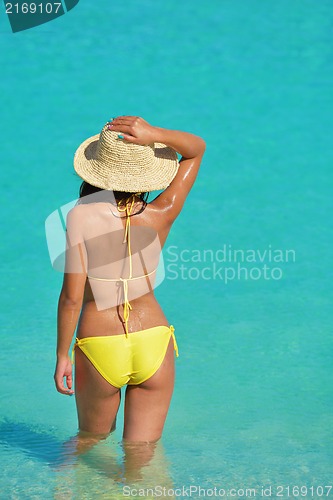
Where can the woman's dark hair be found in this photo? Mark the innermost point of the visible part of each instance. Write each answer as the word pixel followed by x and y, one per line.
pixel 87 189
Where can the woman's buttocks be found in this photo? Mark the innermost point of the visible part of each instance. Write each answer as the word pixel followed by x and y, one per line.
pixel 145 313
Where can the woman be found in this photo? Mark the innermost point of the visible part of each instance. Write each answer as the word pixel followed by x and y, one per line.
pixel 115 238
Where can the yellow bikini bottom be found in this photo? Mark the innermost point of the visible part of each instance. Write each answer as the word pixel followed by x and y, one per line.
pixel 130 359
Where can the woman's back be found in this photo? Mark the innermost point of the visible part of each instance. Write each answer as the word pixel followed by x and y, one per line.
pixel 121 255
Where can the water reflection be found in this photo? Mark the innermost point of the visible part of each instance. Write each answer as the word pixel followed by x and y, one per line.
pixel 102 465
pixel 85 465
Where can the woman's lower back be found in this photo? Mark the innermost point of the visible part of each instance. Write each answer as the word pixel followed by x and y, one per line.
pixel 145 313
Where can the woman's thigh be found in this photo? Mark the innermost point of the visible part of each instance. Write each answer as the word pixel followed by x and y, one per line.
pixel 147 404
pixel 97 401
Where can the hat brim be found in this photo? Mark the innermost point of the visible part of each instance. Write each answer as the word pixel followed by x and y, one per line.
pixel 157 175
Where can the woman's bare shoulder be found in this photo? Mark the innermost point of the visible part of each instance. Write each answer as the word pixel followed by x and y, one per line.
pixel 157 211
pixel 81 210
pixel 82 216
pixel 77 213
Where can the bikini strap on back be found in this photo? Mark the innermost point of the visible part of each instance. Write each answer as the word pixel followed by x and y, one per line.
pixel 129 203
pixel 175 346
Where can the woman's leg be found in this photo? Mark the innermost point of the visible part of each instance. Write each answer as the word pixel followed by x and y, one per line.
pixel 97 401
pixel 147 404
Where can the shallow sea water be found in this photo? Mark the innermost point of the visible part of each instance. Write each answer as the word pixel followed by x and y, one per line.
pixel 253 404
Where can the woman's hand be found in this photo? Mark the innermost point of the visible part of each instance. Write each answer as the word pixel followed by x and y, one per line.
pixel 64 370
pixel 133 129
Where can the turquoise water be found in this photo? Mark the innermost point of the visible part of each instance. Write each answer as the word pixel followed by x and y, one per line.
pixel 253 401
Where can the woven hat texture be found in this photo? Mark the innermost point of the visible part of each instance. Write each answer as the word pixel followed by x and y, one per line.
pixel 112 163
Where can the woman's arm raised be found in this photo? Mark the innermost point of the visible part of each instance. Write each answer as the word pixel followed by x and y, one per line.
pixel 189 146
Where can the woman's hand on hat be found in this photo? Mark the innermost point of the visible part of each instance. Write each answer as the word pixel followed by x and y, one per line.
pixel 133 129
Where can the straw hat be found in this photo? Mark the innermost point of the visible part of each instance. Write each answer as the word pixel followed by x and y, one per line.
pixel 109 162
